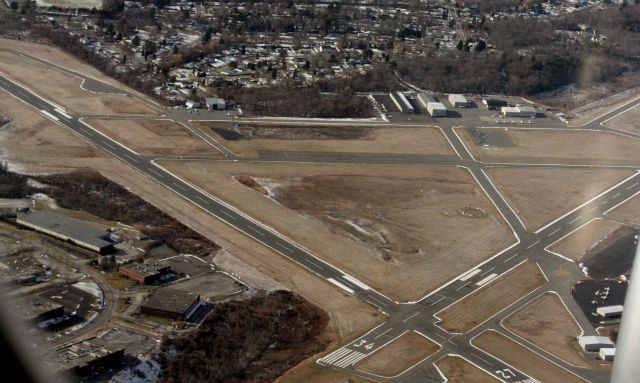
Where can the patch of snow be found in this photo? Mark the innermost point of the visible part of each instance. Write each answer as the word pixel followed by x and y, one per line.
pixel 89 287
pixel 147 371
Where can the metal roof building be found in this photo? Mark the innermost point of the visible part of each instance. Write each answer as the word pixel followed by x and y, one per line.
pixel 66 229
pixel 595 343
pixel 610 311
pixel 425 98
pixel 607 353
pixel 458 101
pixel 437 109
pixel 402 102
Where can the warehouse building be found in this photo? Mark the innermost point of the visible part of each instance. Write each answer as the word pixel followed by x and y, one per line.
pixel 425 98
pixel 607 354
pixel 494 103
pixel 146 273
pixel 215 103
pixel 86 358
pixel 36 309
pixel 519 111
pixel 458 101
pixel 67 229
pixel 171 303
pixel 437 109
pixel 594 343
pixel 402 103
pixel 610 311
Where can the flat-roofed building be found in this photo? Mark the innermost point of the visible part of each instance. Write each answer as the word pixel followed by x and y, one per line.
pixel 146 273
pixel 36 309
pixel 402 102
pixel 594 343
pixel 215 103
pixel 458 101
pixel 519 111
pixel 171 303
pixel 86 358
pixel 425 98
pixel 67 229
pixel 494 103
pixel 437 109
pixel 610 311
pixel 607 354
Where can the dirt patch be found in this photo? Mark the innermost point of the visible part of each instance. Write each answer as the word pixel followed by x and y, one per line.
pixel 458 370
pixel 154 137
pixel 64 89
pixel 253 184
pixel 351 215
pixel 584 293
pixel 546 323
pixel 253 340
pixel 597 108
pixel 399 355
pixel 539 195
pixel 628 212
pixel 487 301
pixel 329 138
pixel 521 358
pixel 579 242
pixel 551 146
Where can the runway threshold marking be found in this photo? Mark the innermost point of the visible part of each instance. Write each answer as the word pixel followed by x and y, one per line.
pixel 356 282
pixel 469 275
pixel 51 116
pixel 340 285
pixel 335 355
pixel 486 279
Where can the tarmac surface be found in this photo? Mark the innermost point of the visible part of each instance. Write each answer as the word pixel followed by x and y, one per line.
pixel 403 316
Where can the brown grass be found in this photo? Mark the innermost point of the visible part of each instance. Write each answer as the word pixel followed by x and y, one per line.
pixel 576 245
pixel 250 182
pixel 539 195
pixel 64 89
pixel 155 137
pixel 628 121
pixel 627 212
pixel 557 146
pixel 423 140
pixel 407 213
pixel 458 370
pixel 521 358
pixel 399 355
pixel 546 323
pixel 487 301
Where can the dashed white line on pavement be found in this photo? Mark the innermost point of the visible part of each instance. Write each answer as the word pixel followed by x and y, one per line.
pixel 255 230
pixel 533 244
pixel 179 186
pixel 381 303
pixel 605 201
pixel 575 219
pixel 459 288
pixel 202 199
pixel 440 336
pixel 486 279
pixel 313 263
pixel 484 273
pixel 409 317
pixel 511 257
pixel 340 285
pixel 284 246
pixel 228 215
pixel 436 302
pixel 108 144
pixel 482 359
pixel 381 334
pixel 555 231
pixel 131 158
pixel 616 196
pixel 631 186
pixel 157 173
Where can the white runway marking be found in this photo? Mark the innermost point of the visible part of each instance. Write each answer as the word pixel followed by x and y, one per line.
pixel 228 215
pixel 616 196
pixel 157 173
pixel 631 186
pixel 179 186
pixel 411 317
pixel 284 246
pixel 356 282
pixel 381 303
pixel 533 244
pixel 379 335
pixel 469 275
pixel 482 359
pixel 131 158
pixel 340 285
pixel 313 263
pixel 555 231
pixel 108 144
pixel 350 359
pixel 511 257
pixel 51 116
pixel 335 355
pixel 575 219
pixel 255 231
pixel 62 113
pixel 486 279
pixel 202 199
pixel 484 273
pixel 436 302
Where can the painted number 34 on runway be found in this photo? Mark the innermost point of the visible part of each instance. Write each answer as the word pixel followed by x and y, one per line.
pixel 363 343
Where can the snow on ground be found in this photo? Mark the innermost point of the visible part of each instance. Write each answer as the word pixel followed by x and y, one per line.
pixel 89 287
pixel 147 371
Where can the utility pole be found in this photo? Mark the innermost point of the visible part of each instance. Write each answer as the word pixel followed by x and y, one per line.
pixel 626 365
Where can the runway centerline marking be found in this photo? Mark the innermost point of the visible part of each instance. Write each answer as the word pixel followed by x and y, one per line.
pixel 313 263
pixel 406 319
pixel 631 186
pixel 227 214
pixel 555 231
pixel 381 303
pixel 179 186
pixel 157 173
pixel 255 230
pixel 575 219
pixel 202 199
pixel 511 257
pixel 533 244
pixel 482 359
pixel 285 246
pixel 436 302
pixel 379 335
pixel 133 159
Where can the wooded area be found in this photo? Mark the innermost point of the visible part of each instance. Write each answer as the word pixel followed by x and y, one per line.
pixel 13 185
pixel 253 340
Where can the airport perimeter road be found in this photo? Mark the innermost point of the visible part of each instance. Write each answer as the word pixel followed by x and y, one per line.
pixel 217 208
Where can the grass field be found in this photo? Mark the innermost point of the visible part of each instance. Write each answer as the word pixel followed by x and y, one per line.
pixel 395 227
pixel 546 323
pixel 487 301
pixel 422 140
pixel 576 244
pixel 155 137
pixel 539 195
pixel 458 370
pixel 556 146
pixel 628 211
pixel 521 358
pixel 399 355
pixel 64 89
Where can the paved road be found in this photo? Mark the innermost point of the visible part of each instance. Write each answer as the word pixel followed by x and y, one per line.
pixel 402 317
